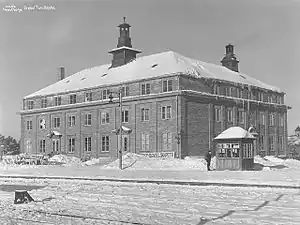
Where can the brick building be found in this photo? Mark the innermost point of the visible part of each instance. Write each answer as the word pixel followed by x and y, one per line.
pixel 171 103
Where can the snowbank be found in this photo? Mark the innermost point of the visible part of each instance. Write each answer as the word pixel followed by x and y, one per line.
pixel 139 162
pixel 97 161
pixel 66 160
pixel 277 163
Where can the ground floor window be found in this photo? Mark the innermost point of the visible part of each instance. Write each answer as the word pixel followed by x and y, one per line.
pixel 88 144
pixel 28 145
pixel 42 146
pixel 271 143
pixel 125 143
pixel 71 145
pixel 229 150
pixel 105 143
pixel 248 151
pixel 167 141
pixel 145 142
pixel 55 145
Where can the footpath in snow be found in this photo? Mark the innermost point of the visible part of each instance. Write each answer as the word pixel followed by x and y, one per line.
pixel 268 170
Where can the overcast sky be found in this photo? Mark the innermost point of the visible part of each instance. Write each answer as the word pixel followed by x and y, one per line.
pixel 78 35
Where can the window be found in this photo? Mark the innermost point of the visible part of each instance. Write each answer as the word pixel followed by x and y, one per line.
pixel 241 116
pixel 55 145
pixel 43 102
pixel 281 120
pixel 56 122
pixel 145 89
pixel 270 98
pixel 125 115
pixel 167 85
pixel 280 143
pixel 271 119
pixel 260 96
pixel 88 144
pixel 167 141
pixel 57 100
pixel 30 104
pixel 42 124
pixel 125 91
pixel 43 146
pixel 217 90
pixel 229 115
pixel 71 121
pixel 71 145
pixel 166 112
pixel 262 118
pixel 145 142
pixel 261 142
pixel 218 114
pixel 271 143
pixel 29 124
pixel 88 119
pixel 28 145
pixel 125 143
pixel 105 94
pixel 72 99
pixel 104 117
pixel 227 91
pixel 144 114
pixel 105 143
pixel 231 91
pixel 88 97
pixel 247 151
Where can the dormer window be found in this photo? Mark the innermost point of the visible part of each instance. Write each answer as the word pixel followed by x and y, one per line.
pixel 88 97
pixel 44 103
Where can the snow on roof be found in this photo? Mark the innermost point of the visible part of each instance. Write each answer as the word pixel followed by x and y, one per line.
pixel 165 63
pixel 234 133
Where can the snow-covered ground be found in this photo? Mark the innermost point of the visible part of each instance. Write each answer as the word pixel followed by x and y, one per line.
pixel 82 202
pixel 268 170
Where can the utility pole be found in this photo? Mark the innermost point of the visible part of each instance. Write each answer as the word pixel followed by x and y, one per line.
pixel 120 129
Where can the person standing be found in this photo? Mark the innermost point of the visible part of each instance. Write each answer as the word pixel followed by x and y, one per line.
pixel 208 159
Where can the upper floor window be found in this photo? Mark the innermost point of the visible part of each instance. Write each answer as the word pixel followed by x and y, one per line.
pixel 88 119
pixel 43 102
pixel 56 122
pixel 72 99
pixel 146 89
pixel 104 117
pixel 262 118
pixel 270 98
pixel 144 114
pixel 71 121
pixel 241 116
pixel 105 94
pixel 88 97
pixel 272 119
pixel 166 112
pixel 218 114
pixel 229 115
pixel 125 91
pixel 281 120
pixel 29 124
pixel 167 85
pixel 57 100
pixel 30 104
pixel 42 124
pixel 125 116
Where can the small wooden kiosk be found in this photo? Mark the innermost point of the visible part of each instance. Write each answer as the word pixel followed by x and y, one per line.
pixel 234 149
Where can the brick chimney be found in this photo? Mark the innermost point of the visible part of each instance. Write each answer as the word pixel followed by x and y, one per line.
pixel 61 73
pixel 230 60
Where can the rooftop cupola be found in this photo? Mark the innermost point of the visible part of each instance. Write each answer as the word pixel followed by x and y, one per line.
pixel 124 53
pixel 230 60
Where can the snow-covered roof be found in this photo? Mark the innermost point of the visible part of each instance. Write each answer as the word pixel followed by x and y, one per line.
pixel 234 133
pixel 165 63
